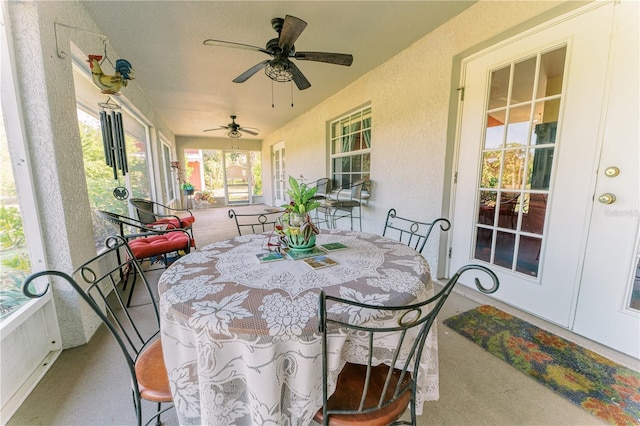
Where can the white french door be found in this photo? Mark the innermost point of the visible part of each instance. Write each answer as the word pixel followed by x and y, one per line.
pixel 279 173
pixel 538 112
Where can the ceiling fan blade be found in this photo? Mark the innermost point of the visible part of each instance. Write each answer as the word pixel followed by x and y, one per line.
pixel 298 78
pixel 331 58
pixel 250 131
pixel 222 43
pixel 291 30
pixel 217 128
pixel 251 71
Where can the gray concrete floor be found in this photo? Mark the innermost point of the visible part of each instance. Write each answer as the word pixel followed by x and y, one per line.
pixel 88 385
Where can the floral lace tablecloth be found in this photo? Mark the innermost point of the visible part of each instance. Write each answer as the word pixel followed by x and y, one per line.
pixel 240 337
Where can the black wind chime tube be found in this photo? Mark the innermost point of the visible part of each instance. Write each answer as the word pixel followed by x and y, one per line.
pixel 113 142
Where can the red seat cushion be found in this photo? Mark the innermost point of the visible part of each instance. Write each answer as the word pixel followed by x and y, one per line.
pixel 185 222
pixel 156 245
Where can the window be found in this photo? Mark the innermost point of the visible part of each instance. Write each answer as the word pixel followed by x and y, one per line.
pixel 105 191
pixel 350 140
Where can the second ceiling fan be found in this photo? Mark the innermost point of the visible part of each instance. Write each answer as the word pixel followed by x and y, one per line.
pixel 280 68
pixel 234 130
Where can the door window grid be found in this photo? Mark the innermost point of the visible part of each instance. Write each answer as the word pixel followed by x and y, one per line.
pixel 517 158
pixel 350 141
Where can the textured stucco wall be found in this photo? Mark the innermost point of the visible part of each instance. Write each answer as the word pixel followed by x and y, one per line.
pixel 46 91
pixel 411 98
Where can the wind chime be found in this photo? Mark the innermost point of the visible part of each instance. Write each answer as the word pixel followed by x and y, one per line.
pixel 115 153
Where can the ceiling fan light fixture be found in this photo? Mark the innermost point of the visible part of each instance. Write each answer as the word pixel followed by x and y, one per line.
pixel 234 134
pixel 278 72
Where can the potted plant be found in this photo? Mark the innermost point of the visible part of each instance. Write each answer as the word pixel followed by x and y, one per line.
pixel 296 227
pixel 188 188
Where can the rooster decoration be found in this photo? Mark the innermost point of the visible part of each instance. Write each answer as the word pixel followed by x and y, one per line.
pixel 110 84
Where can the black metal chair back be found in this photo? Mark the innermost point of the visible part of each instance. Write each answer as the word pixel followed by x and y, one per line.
pixel 96 282
pixel 324 187
pixel 411 232
pixel 144 210
pixel 374 393
pixel 255 223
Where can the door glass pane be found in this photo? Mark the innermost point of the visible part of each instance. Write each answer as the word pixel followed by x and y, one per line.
pixel 486 212
pixel 551 73
pixel 484 238
pixel 513 168
pixel 499 88
pixel 494 133
pixel 505 244
pixel 533 213
pixel 523 77
pixel 517 161
pixel 635 293
pixel 518 128
pixel 529 255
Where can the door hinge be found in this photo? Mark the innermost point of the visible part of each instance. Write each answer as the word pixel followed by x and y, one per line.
pixel 455 177
pixel 461 90
pixel 450 250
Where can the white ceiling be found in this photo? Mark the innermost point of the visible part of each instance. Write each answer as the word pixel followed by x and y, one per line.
pixel 190 84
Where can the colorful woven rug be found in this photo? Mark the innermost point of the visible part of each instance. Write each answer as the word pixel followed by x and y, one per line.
pixel 599 385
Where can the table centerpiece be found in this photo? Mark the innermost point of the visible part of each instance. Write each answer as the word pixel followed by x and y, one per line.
pixel 296 229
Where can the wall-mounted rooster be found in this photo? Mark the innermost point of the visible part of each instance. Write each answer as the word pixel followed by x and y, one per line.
pixel 110 84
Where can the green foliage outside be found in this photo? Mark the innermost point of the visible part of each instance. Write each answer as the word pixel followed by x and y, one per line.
pixel 99 176
pixel 14 256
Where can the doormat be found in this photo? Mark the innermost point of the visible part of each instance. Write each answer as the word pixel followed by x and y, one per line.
pixel 602 387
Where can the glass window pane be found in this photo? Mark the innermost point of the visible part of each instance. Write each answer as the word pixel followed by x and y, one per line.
pixel 346 164
pixel 487 208
pixel 494 133
pixel 529 255
pixel 505 244
pixel 523 77
pixel 508 210
pixel 551 73
pixel 337 165
pixel 366 163
pixel 499 87
pixel 518 128
pixel 356 162
pixel 540 165
pixel 513 169
pixel 15 265
pixel 490 169
pixel 545 122
pixel 484 238
pixel 533 213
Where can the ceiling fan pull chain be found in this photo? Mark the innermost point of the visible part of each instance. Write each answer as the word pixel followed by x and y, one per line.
pixel 272 105
pixel 291 94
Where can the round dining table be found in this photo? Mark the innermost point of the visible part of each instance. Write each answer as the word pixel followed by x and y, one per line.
pixel 240 335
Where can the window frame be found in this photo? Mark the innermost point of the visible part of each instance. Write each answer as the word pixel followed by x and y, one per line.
pixel 359 123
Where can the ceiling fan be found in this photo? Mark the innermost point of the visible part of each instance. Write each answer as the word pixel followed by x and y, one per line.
pixel 235 130
pixel 280 68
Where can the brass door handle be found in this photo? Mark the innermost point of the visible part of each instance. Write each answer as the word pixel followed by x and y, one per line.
pixel 607 198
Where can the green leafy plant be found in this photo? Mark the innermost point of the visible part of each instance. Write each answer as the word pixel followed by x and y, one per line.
pixel 301 196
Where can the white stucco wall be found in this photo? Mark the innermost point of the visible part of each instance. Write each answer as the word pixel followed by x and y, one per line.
pixel 46 90
pixel 411 98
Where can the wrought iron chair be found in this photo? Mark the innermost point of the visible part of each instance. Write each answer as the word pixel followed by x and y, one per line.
pixel 375 394
pixel 254 223
pixel 96 282
pixel 412 232
pixel 149 243
pixel 323 186
pixel 342 204
pixel 151 214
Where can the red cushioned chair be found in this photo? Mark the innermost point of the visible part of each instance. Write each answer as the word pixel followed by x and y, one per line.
pixel 149 243
pixel 152 214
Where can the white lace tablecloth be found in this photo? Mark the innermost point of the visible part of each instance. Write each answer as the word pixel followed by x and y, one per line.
pixel 240 337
